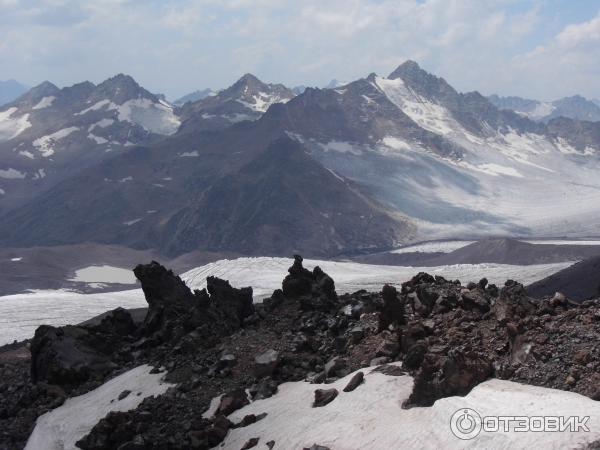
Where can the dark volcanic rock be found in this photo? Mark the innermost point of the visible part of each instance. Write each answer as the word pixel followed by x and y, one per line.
pixel 324 397
pixel 441 377
pixel 68 355
pixel 232 401
pixel 266 363
pixel 315 290
pixel 393 308
pixel 174 310
pixel 354 382
pixel 251 443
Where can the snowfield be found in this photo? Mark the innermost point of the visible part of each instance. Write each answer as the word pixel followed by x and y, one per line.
pixel 433 247
pixel 154 117
pixel 371 417
pixel 104 274
pixel 62 427
pixel 10 126
pixel 21 314
pixel 45 144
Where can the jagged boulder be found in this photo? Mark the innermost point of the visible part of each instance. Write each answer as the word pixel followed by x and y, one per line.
pixel 513 303
pixel 448 375
pixel 392 311
pixel 67 355
pixel 175 311
pixel 315 290
pixel 118 322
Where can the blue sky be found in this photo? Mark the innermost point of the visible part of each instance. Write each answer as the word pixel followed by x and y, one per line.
pixel 534 48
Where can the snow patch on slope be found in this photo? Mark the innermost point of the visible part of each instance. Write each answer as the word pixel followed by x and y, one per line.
pixel 428 115
pixel 371 416
pixel 262 101
pixel 45 102
pixel 12 174
pixel 62 427
pixel 154 117
pixel 11 127
pixel 104 274
pixel 45 144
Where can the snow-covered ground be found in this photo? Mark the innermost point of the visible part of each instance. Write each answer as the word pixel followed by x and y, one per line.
pixel 371 417
pixel 104 274
pixel 563 242
pixel 450 246
pixel 21 314
pixel 433 247
pixel 62 427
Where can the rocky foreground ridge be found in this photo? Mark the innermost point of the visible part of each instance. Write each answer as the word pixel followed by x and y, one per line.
pixel 449 337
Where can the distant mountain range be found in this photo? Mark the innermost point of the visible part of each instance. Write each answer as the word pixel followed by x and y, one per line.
pixel 194 96
pixel 259 169
pixel 10 90
pixel 575 107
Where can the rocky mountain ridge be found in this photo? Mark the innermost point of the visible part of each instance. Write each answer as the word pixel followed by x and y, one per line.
pixel 422 160
pixel 575 107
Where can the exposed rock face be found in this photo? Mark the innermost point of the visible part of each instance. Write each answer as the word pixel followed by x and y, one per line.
pixel 73 354
pixel 455 374
pixel 61 356
pixel 175 311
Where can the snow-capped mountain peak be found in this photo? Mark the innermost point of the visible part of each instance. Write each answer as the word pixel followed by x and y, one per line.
pixel 247 99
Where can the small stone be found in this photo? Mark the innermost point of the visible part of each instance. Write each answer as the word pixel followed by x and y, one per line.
pixel 379 361
pixel 124 394
pixel 251 443
pixel 265 363
pixel 357 334
pixel 354 382
pixel 324 397
pixel 334 366
pixel 232 401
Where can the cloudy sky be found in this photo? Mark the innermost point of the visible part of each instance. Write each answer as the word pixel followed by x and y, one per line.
pixel 535 48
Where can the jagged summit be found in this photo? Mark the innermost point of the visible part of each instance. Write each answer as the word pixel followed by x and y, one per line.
pixel 43 89
pixel 121 88
pixel 408 66
pixel 421 81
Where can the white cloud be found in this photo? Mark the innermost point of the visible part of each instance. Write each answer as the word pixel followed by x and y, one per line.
pixel 182 45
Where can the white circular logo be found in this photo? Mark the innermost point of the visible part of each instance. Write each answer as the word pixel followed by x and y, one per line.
pixel 465 423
